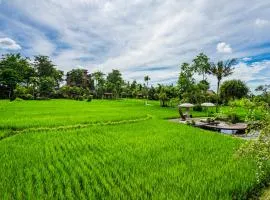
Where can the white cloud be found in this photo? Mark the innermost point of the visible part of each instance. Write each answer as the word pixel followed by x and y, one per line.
pixel 222 47
pixel 246 59
pixel 247 73
pixel 261 22
pixel 9 44
pixel 138 35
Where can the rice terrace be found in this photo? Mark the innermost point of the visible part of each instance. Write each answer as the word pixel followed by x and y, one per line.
pixel 65 152
pixel 134 100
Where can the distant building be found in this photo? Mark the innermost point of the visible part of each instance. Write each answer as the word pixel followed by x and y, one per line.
pixel 210 92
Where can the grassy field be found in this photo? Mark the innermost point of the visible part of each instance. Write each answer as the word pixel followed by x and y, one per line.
pixel 63 149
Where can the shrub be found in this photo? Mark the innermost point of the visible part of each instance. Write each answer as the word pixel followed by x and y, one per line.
pixel 79 98
pixel 233 118
pixel 260 148
pixel 221 116
pixel 18 99
pixel 174 102
pixel 28 97
pixel 198 108
pixel 90 97
pixel 244 102
pixel 42 98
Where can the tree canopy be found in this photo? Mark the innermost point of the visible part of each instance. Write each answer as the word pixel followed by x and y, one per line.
pixel 233 89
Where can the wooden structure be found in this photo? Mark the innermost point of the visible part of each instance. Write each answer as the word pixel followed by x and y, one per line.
pixel 108 95
pixel 218 126
pixel 187 106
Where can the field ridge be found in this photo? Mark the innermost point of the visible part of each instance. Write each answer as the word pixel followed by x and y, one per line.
pixel 11 132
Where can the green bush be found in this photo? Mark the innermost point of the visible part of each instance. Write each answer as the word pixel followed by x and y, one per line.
pixel 233 118
pixel 18 99
pixel 221 116
pixel 79 98
pixel 28 97
pixel 42 98
pixel 90 97
pixel 198 108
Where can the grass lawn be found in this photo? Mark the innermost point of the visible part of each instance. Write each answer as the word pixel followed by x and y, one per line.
pixel 61 149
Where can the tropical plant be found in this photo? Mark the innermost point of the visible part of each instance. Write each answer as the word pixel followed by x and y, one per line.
pixel 222 69
pixel 146 79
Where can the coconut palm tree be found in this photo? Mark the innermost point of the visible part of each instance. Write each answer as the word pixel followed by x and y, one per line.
pixel 98 78
pixel 222 69
pixel 146 79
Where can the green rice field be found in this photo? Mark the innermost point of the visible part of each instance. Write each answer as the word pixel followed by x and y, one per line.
pixel 122 149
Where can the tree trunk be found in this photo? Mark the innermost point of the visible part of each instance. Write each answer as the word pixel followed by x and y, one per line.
pixel 11 94
pixel 217 95
pixel 146 93
pixel 218 87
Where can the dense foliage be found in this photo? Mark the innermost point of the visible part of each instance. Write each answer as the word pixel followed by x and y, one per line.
pixel 233 89
pixel 259 148
pixel 40 79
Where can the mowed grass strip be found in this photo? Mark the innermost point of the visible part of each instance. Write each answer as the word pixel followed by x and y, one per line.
pixel 153 159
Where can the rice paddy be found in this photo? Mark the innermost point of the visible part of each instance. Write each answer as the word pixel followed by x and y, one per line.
pixel 63 149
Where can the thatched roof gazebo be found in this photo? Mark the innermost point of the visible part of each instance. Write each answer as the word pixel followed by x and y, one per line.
pixel 207 105
pixel 187 106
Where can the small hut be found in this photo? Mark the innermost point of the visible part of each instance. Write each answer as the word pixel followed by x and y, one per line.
pixel 108 95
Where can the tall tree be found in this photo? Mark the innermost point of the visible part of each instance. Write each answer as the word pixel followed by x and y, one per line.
pixel 114 82
pixel 222 69
pixel 78 77
pixel 201 65
pixel 99 82
pixel 45 68
pixel 14 70
pixel 233 89
pixel 146 79
pixel 47 73
pixel 46 86
pixel 185 80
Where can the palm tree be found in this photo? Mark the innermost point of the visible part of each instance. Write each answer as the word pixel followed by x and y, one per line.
pixel 222 69
pixel 97 76
pixel 146 79
pixel 34 81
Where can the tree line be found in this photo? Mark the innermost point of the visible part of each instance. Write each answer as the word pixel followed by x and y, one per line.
pixel 39 78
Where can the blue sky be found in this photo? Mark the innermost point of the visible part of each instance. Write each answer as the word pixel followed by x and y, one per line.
pixel 141 37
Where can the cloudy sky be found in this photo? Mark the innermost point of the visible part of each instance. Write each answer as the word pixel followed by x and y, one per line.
pixel 141 37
